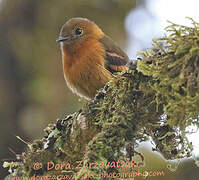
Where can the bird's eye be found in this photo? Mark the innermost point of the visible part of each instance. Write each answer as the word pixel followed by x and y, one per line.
pixel 78 31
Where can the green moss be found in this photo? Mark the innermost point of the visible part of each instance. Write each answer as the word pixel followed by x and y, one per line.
pixel 159 99
pixel 177 73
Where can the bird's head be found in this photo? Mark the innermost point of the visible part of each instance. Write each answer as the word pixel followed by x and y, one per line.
pixel 77 30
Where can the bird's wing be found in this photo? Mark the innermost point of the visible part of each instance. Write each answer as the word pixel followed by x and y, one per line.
pixel 115 58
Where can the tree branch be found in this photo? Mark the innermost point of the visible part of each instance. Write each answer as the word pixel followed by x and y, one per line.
pixel 158 99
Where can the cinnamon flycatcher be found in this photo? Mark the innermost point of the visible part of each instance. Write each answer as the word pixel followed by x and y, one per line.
pixel 89 57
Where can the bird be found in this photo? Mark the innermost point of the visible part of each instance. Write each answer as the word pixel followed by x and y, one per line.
pixel 90 58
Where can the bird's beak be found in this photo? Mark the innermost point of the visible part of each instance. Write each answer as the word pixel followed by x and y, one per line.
pixel 61 39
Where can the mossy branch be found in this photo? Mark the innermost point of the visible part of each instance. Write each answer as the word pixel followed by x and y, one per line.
pixel 158 99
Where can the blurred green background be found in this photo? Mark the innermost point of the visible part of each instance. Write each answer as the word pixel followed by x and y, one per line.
pixel 33 92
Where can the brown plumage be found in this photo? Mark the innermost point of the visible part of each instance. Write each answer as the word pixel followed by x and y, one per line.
pixel 89 57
